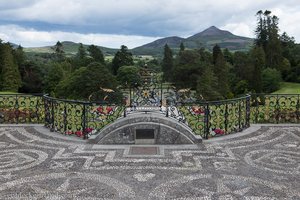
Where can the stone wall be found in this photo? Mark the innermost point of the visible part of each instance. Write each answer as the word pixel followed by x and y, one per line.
pixel 166 130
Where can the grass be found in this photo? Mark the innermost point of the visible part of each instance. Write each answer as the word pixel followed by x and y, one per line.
pixel 288 88
pixel 8 92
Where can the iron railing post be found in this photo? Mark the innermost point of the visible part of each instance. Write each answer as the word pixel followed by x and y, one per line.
pixel 226 117
pixel 65 117
pixel 248 111
pixel 206 120
pixel 84 120
pixel 277 109
pixel 297 108
pixel 16 111
pixel 240 114
pixel 52 116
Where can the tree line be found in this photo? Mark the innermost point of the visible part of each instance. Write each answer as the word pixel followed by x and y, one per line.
pixel 214 75
pixel 222 74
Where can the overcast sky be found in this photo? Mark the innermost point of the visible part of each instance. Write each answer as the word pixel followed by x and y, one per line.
pixel 112 23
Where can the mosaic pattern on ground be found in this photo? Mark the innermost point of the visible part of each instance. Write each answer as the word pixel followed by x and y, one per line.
pixel 37 164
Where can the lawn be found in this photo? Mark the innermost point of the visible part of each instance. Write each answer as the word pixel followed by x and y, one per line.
pixel 288 88
pixel 7 92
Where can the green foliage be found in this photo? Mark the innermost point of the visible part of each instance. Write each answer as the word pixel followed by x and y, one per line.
pixel 85 81
pixel 271 79
pixel 122 58
pixel 187 70
pixel 167 63
pixel 241 87
pixel 10 78
pixel 128 76
pixel 53 77
pixel 268 38
pixel 96 53
pixel 258 60
pixel 207 85
pixel 221 71
pixel 32 78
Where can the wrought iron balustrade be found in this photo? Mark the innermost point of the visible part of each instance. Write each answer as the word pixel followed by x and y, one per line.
pixel 208 119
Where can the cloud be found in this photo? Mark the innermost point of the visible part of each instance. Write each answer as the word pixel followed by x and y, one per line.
pixel 34 38
pixel 154 18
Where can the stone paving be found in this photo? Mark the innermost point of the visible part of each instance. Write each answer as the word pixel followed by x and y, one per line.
pixel 260 163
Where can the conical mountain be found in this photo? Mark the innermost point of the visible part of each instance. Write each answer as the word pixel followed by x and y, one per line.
pixel 205 39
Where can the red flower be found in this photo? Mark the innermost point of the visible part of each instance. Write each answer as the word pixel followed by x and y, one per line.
pixel 79 133
pixel 100 109
pixel 109 109
pixel 88 130
pixel 219 131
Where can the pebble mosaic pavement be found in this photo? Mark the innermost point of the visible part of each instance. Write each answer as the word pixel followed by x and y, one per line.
pixel 37 164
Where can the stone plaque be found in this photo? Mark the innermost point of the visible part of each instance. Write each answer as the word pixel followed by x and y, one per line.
pixel 144 133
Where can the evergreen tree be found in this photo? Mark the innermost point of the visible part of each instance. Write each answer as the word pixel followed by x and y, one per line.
pixel 167 64
pixel 187 69
pixel 216 52
pixel 268 38
pixel 54 76
pixel 96 53
pixel 258 56
pixel 19 56
pixel 181 48
pixel 81 59
pixel 59 50
pixel 207 85
pixel 122 58
pixel 221 71
pixel 81 53
pixel 10 76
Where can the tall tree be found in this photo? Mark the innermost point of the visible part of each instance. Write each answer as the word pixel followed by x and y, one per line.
pixel 167 63
pixel 96 53
pixel 59 50
pixel 122 58
pixel 258 60
pixel 221 71
pixel 207 85
pixel 54 76
pixel 267 36
pixel 216 52
pixel 10 75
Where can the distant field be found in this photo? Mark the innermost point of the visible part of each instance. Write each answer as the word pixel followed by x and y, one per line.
pixel 288 88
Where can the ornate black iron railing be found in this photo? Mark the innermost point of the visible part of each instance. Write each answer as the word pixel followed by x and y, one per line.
pixel 21 108
pixel 275 108
pixel 79 117
pixel 208 119
pixel 214 118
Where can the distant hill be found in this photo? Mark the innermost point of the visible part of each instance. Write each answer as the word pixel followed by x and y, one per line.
pixel 206 39
pixel 70 48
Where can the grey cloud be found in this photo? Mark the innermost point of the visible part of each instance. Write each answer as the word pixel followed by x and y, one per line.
pixel 146 17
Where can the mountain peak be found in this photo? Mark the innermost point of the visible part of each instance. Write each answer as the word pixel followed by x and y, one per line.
pixel 213 31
